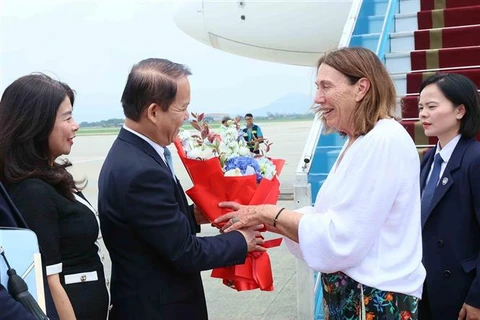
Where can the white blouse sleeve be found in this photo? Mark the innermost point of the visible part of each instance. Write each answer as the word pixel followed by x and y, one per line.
pixel 293 246
pixel 341 237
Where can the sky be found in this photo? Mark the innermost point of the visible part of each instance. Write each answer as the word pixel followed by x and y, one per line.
pixel 92 45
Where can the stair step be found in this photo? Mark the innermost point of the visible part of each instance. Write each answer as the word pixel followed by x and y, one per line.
pixel 451 37
pixel 406 22
pixel 369 41
pixel 445 4
pixel 445 58
pixel 409 6
pixel 369 24
pixel 374 24
pixel 398 110
pixel 398 62
pixel 449 17
pixel 376 7
pixel 400 82
pixel 373 8
pixel 415 79
pixel 443 37
pixel 402 41
pixel 415 130
pixel 410 106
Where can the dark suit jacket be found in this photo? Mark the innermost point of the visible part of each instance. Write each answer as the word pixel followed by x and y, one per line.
pixel 451 232
pixel 11 309
pixel 149 230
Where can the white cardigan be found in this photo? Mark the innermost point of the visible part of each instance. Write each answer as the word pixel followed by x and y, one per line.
pixel 366 218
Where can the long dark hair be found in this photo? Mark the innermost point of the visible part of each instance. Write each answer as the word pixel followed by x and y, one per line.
pixel 28 111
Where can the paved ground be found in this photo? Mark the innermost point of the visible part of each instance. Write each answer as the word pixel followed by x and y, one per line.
pixel 224 303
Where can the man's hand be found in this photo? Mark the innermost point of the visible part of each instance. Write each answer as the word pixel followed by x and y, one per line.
pixel 253 239
pixel 469 313
pixel 199 215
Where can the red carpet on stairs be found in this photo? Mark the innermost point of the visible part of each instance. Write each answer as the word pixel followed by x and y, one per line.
pixel 415 79
pixel 445 58
pixel 453 17
pixel 415 129
pixel 410 106
pixel 442 4
pixel 448 37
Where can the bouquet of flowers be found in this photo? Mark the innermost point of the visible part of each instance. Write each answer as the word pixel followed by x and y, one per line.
pixel 222 168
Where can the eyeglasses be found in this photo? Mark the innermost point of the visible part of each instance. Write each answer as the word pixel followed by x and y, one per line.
pixel 248 118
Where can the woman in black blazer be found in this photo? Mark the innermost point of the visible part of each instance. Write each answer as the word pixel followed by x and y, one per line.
pixel 36 127
pixel 449 108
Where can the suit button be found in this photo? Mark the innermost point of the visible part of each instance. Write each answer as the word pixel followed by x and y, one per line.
pixel 440 243
pixel 446 274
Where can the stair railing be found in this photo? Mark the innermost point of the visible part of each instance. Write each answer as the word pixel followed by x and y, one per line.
pixel 383 45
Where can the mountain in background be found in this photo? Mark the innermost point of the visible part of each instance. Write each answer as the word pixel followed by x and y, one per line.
pixel 291 103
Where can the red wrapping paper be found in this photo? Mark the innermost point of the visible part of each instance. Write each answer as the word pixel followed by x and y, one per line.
pixel 210 187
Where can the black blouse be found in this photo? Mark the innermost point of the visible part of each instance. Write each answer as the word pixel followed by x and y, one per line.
pixel 66 230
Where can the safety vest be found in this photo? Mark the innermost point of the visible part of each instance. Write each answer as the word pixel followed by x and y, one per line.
pixel 254 133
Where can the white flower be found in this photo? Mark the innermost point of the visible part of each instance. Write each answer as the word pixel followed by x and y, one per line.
pixel 243 151
pixel 267 168
pixel 184 134
pixel 249 171
pixel 233 173
pixel 202 152
pixel 226 148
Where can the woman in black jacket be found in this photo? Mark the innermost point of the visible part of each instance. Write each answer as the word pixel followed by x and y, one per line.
pixel 36 127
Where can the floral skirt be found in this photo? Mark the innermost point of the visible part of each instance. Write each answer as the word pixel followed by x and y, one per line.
pixel 346 299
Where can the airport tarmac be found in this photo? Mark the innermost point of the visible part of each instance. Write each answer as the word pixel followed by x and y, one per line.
pixel 224 303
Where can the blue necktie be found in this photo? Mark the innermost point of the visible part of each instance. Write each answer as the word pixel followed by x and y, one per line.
pixel 168 157
pixel 429 190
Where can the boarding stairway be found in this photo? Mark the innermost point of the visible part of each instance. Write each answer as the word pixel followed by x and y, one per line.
pixel 444 38
pixel 415 39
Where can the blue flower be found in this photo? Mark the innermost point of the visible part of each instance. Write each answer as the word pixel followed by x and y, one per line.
pixel 242 163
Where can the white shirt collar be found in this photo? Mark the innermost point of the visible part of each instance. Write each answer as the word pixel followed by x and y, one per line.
pixel 154 145
pixel 447 150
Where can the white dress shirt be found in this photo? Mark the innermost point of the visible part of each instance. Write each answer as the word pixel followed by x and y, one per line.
pixel 446 154
pixel 366 218
pixel 154 145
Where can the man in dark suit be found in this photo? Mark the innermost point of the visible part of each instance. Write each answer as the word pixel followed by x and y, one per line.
pixel 147 224
pixel 11 309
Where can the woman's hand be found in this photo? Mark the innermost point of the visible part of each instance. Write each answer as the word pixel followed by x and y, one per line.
pixel 60 298
pixel 242 216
